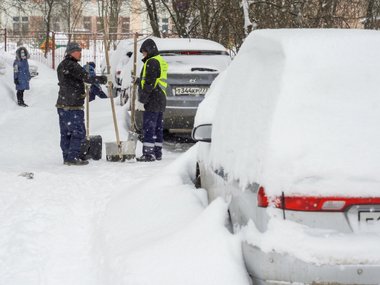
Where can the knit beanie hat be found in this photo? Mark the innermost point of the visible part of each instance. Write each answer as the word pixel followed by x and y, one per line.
pixel 72 46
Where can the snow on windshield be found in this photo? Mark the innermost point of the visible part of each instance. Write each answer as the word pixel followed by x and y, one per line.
pixel 301 110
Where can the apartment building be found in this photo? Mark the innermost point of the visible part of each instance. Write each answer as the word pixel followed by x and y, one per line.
pixel 74 16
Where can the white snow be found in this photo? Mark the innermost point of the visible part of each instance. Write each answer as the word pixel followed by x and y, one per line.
pixel 314 245
pixel 105 223
pixel 301 109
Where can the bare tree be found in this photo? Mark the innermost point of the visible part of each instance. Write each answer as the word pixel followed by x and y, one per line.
pixel 71 10
pixel 372 14
pixel 46 7
pixel 152 9
pixel 109 12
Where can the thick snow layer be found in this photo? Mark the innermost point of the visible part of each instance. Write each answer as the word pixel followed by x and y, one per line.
pixel 187 44
pixel 299 111
pixel 315 245
pixel 105 223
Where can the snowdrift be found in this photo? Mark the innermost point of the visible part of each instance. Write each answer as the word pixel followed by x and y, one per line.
pixel 301 108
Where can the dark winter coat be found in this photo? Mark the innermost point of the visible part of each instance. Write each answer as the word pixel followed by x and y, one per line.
pixel 154 99
pixel 71 78
pixel 21 70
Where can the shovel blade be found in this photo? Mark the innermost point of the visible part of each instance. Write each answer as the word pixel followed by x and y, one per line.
pixel 131 145
pixel 115 152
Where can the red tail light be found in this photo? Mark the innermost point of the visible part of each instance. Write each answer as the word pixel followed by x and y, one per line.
pixel 312 203
pixel 190 52
pixel 262 199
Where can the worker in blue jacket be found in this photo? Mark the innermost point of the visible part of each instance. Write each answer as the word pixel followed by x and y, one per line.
pixel 21 74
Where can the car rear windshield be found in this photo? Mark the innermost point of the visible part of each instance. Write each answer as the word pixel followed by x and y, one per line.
pixel 192 52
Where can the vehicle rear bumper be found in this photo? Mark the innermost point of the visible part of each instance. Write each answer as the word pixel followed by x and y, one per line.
pixel 175 120
pixel 179 118
pixel 274 268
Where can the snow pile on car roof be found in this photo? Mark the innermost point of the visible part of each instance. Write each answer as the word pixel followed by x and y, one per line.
pixel 301 110
pixel 187 44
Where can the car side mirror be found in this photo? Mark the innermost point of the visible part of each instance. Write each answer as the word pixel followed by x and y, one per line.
pixel 202 133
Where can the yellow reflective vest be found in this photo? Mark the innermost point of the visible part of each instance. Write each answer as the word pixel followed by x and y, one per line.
pixel 162 80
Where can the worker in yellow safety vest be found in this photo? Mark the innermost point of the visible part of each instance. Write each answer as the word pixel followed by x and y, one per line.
pixel 152 93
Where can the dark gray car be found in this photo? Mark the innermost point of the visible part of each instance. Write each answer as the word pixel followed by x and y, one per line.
pixel 193 66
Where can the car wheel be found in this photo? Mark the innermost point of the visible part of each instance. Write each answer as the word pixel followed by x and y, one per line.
pixel 228 222
pixel 123 97
pixel 198 182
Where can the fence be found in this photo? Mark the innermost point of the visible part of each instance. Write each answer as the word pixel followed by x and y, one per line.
pixel 92 45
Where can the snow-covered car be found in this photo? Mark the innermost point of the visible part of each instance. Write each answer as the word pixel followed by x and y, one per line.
pixel 118 60
pixel 33 70
pixel 193 66
pixel 289 135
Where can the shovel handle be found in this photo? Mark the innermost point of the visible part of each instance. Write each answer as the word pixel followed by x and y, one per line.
pixel 87 89
pixel 110 85
pixel 134 87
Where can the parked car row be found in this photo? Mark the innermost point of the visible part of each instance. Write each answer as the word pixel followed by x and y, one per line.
pixel 290 137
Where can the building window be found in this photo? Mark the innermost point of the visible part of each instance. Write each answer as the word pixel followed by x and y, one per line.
pixel 20 25
pixel 165 25
pixel 87 23
pixel 99 24
pixel 125 25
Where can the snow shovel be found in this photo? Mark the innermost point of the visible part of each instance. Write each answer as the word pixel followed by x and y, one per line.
pixel 115 151
pixel 92 147
pixel 132 135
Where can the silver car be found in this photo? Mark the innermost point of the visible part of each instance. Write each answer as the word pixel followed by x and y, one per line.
pixel 308 232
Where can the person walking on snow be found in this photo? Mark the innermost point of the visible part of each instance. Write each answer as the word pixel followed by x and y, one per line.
pixel 95 89
pixel 21 74
pixel 71 78
pixel 152 93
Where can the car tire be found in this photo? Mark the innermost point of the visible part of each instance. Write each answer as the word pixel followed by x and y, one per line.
pixel 228 222
pixel 123 97
pixel 198 181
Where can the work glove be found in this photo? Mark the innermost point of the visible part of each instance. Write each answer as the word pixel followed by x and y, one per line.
pixel 102 79
pixel 139 106
pixel 135 80
pixel 16 81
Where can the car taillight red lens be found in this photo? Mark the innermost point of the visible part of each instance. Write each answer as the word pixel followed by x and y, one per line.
pixel 262 199
pixel 311 203
pixel 190 52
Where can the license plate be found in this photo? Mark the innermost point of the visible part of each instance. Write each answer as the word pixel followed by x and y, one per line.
pixel 196 91
pixel 369 221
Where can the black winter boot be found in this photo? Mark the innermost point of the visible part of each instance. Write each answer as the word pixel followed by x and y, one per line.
pixel 146 158
pixel 20 98
pixel 75 161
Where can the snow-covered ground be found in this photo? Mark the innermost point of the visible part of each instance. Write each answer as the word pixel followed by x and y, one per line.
pixel 105 223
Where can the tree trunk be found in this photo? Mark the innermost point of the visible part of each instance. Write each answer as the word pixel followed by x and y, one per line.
pixel 153 18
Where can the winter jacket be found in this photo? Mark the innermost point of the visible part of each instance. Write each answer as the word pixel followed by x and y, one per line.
pixel 21 70
pixel 153 98
pixel 71 78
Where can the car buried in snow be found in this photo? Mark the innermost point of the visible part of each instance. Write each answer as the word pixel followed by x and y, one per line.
pixel 193 66
pixel 294 149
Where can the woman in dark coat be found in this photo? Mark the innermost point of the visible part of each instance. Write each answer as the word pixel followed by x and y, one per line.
pixel 21 74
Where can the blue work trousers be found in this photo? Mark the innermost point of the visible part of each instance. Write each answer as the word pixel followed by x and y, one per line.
pixel 153 131
pixel 73 133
